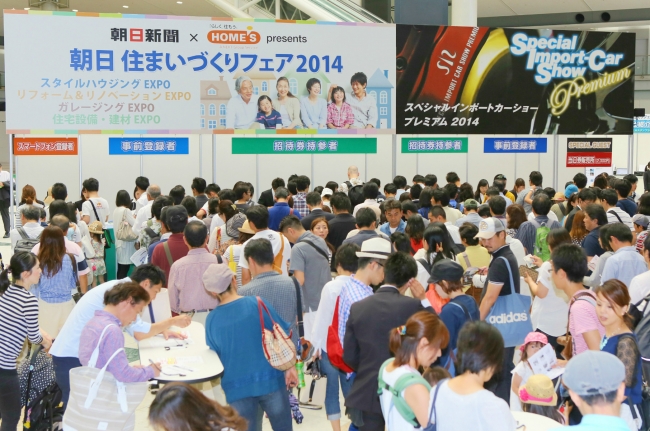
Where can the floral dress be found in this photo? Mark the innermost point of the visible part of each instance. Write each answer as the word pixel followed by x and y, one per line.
pixel 97 263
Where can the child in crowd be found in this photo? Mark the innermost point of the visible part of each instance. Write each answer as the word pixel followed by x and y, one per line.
pixel 97 263
pixel 538 396
pixel 532 344
pixel 267 116
pixel 433 375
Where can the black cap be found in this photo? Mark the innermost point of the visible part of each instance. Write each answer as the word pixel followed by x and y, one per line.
pixel 500 177
pixel 447 270
pixel 176 213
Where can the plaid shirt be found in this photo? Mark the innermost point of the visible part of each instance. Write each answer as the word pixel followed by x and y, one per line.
pixel 300 204
pixel 353 291
pixel 340 117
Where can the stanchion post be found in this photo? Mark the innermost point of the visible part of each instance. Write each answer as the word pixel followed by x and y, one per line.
pixel 11 182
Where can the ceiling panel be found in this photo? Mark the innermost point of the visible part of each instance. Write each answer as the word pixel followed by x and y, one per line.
pixel 489 8
pixel 534 7
pixel 617 4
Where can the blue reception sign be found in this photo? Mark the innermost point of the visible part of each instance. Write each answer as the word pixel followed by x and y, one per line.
pixel 514 145
pixel 140 146
pixel 642 124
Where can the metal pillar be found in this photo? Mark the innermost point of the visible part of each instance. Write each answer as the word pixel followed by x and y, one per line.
pixel 214 159
pixel 11 182
pixel 464 13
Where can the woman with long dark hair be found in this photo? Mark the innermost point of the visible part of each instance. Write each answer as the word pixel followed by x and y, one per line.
pixel 287 105
pixel 123 249
pixel 56 283
pixel 481 189
pixel 415 230
pixel 18 321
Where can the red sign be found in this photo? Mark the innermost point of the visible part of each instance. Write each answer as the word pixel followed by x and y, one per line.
pixel 46 147
pixel 588 160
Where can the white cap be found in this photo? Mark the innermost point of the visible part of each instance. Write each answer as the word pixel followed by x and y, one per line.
pixel 488 227
pixel 326 192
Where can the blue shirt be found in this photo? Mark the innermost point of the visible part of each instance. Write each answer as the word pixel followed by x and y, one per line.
pixel 633 392
pixel 233 331
pixel 314 115
pixel 269 121
pixel 57 288
pixel 424 211
pixel 625 264
pixel 277 212
pixel 628 206
pixel 591 245
pixel 454 317
pixel 601 423
pixel 385 228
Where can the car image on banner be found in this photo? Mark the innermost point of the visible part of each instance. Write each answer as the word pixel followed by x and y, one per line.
pixel 481 80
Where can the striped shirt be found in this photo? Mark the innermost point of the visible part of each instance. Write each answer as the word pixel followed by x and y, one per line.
pixel 18 319
pixel 353 291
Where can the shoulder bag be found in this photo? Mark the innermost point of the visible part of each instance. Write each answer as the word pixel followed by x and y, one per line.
pixel 567 340
pixel 509 314
pixel 98 401
pixel 278 348
pixel 124 230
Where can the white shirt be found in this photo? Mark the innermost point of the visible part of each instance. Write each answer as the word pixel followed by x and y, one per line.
pixel 640 288
pixel 240 115
pixel 454 232
pixel 625 217
pixel 32 229
pixel 549 314
pixel 394 420
pixel 551 216
pixel 364 110
pixel 141 202
pixel 67 342
pixel 325 312
pixel 452 214
pixel 216 222
pixel 101 205
pixel 368 203
pixel 143 215
pixel 524 371
pixel 480 411
pixel 274 238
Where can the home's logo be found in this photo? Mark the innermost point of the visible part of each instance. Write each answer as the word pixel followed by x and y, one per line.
pixel 234 37
pixel 508 318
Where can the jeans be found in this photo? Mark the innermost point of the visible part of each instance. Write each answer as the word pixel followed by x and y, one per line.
pixel 62 367
pixel 275 405
pixel 10 408
pixel 333 375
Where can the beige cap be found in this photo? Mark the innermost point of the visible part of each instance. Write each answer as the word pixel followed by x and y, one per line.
pixel 217 278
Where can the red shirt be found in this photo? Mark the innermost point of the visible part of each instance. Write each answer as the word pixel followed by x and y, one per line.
pixel 416 245
pixel 178 249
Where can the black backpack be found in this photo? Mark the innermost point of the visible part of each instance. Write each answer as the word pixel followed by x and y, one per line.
pixel 355 194
pixel 25 243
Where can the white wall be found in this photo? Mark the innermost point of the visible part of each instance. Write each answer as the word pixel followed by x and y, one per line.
pixel 118 172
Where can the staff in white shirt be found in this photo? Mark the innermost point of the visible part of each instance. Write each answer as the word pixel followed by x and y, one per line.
pixel 153 191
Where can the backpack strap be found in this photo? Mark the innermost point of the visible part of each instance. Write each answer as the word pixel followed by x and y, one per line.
pixel 462 307
pixel 22 233
pixel 432 423
pixel 152 234
pixel 562 208
pixel 425 264
pixel 400 386
pixel 168 253
pixel 95 210
pixel 615 214
pixel 301 328
pixel 466 259
pixel 319 250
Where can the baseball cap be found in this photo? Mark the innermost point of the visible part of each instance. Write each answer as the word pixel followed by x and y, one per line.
pixel 641 220
pixel 500 177
pixel 326 192
pixel 488 227
pixel 470 204
pixel 217 278
pixel 447 270
pixel 594 372
pixel 377 248
pixel 570 189
pixel 176 213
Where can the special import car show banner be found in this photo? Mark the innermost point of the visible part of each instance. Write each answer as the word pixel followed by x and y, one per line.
pixel 112 73
pixel 479 80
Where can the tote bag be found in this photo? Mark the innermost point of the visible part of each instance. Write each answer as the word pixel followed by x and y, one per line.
pixel 124 230
pixel 510 316
pixel 98 401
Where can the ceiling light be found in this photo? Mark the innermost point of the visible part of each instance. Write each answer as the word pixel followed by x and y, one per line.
pixel 75 10
pixel 179 2
pixel 26 8
pixel 125 7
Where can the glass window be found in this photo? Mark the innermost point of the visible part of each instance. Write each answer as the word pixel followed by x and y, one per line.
pixel 293 86
pixel 203 123
pixel 265 86
pixel 373 94
pixel 202 109
pixel 212 110
pixel 383 110
pixel 212 124
pixel 222 122
pixel 383 97
pixel 222 110
pixel 212 92
pixel 256 90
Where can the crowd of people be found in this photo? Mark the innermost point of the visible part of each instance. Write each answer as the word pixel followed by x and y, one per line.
pixel 413 297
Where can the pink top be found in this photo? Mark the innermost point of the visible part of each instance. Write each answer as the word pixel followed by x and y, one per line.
pixel 186 291
pixel 583 318
pixel 340 117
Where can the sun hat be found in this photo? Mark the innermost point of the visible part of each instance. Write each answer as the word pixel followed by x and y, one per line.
pixel 488 227
pixel 539 390
pixel 377 248
pixel 559 197
pixel 217 278
pixel 246 228
pixel 594 372
pixel 96 227
pixel 532 337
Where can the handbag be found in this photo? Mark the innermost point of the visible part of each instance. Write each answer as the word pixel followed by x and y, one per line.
pixel 334 347
pixel 278 348
pixel 567 340
pixel 510 315
pixel 35 374
pixel 98 401
pixel 124 230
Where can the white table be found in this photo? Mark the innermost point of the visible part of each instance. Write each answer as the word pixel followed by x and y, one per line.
pixel 535 422
pixel 209 369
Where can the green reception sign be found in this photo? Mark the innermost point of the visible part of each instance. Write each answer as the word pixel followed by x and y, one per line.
pixel 434 145
pixel 304 146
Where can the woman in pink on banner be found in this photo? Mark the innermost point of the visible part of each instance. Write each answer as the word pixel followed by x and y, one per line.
pixel 339 112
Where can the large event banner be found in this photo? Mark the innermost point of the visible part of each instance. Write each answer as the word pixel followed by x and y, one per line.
pixel 481 80
pixel 112 73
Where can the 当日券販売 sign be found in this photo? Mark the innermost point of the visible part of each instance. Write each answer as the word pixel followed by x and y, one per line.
pixel 144 146
pixel 46 147
pixel 137 74
pixel 434 145
pixel 304 146
pixel 514 145
pixel 485 80
pixel 589 152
